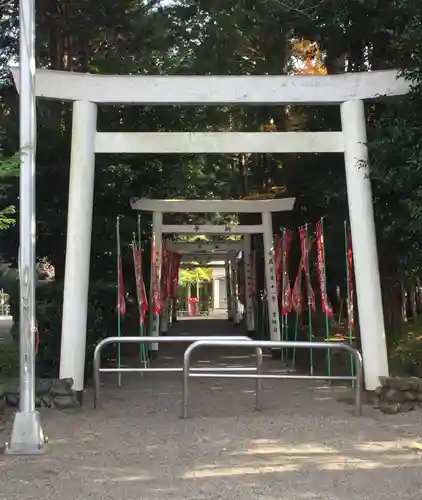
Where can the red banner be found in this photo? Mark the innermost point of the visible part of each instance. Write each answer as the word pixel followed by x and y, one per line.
pixel 156 299
pixel 140 284
pixel 165 273
pixel 286 299
pixel 326 306
pixel 278 258
pixel 351 297
pixel 121 299
pixel 297 298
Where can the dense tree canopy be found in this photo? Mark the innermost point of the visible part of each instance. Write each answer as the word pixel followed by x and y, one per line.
pixel 222 37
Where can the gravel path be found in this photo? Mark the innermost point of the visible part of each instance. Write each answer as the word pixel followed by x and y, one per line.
pixel 306 444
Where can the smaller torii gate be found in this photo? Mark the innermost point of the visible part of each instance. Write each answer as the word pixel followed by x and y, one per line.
pixel 264 207
pixel 226 253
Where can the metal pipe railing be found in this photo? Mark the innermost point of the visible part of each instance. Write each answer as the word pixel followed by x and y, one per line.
pixel 260 376
pixel 97 370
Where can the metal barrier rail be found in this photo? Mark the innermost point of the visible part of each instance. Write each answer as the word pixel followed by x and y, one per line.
pixel 179 339
pixel 260 376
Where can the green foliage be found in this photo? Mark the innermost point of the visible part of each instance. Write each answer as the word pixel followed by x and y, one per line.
pixel 210 37
pixel 9 167
pixel 191 276
pixel 406 358
pixel 9 359
pixel 101 323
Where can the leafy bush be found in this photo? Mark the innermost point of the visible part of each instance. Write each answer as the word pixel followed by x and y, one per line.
pixel 406 358
pixel 9 359
pixel 101 314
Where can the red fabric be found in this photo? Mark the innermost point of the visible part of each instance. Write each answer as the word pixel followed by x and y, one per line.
pixel 326 306
pixel 286 299
pixel 297 298
pixel 351 297
pixel 121 306
pixel 174 282
pixel 140 284
pixel 165 274
pixel 278 257
pixel 156 286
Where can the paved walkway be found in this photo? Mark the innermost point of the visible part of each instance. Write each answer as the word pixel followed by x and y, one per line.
pixel 305 444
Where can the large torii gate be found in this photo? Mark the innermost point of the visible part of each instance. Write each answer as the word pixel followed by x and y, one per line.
pixel 345 90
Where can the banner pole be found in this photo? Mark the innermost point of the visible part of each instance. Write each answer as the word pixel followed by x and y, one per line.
pixel 308 290
pixel 348 299
pixel 119 320
pixel 327 320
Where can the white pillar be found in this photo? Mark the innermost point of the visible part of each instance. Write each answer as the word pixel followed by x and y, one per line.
pixel 233 290
pixel 215 293
pixel 368 287
pixel 250 319
pixel 273 315
pixel 228 290
pixel 78 244
pixel 157 230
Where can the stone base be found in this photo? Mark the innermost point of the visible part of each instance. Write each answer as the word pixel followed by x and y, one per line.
pixel 398 394
pixel 48 393
pixel 27 435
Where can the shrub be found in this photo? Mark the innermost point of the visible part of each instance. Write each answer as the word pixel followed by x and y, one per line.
pixel 406 358
pixel 101 314
pixel 9 359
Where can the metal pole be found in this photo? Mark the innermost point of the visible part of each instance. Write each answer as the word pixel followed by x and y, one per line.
pixel 187 370
pixel 269 344
pixel 27 435
pixel 148 340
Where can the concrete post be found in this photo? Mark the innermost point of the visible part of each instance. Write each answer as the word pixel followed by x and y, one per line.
pixel 228 290
pixel 157 230
pixel 273 313
pixel 78 246
pixel 359 195
pixel 233 290
pixel 250 319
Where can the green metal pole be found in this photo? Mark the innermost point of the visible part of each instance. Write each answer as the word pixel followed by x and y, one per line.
pixel 119 320
pixel 327 319
pixel 349 326
pixel 143 348
pixel 296 335
pixel 308 290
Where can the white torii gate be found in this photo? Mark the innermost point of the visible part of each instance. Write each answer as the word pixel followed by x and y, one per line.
pixel 346 90
pixel 225 252
pixel 203 259
pixel 265 207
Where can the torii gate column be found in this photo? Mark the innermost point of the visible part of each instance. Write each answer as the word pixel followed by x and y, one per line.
pixel 229 290
pixel 78 245
pixel 155 280
pixel 359 195
pixel 270 282
pixel 250 319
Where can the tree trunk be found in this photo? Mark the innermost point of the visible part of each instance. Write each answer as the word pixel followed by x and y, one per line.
pixel 412 299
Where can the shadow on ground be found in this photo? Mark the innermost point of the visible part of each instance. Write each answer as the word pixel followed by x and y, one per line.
pixel 306 444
